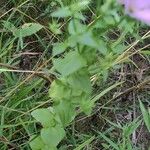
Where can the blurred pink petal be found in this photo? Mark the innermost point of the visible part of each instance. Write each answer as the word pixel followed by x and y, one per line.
pixel 143 15
pixel 139 9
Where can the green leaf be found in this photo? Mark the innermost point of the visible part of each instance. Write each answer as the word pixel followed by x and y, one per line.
pixel 87 39
pixel 70 10
pixel 59 48
pixel 66 112
pixel 76 92
pixel 75 27
pixel 44 116
pixel 80 81
pixel 36 143
pixel 49 148
pixel 146 116
pixel 72 62
pixel 59 91
pixel 109 20
pixel 62 12
pixel 86 106
pixel 90 55
pixel 53 135
pixel 79 6
pixel 102 47
pixel 79 16
pixel 27 29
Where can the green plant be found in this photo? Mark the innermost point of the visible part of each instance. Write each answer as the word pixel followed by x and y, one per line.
pixel 83 54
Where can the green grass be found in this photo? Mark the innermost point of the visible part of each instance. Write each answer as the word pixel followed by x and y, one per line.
pixel 120 77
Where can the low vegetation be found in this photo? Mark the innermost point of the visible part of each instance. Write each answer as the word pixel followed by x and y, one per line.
pixel 74 75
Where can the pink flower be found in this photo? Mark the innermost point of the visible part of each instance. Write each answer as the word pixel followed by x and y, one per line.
pixel 139 9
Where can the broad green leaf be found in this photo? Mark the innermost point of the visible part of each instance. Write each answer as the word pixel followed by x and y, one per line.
pixel 70 10
pixel 109 20
pixel 87 39
pixel 102 47
pixel 72 62
pixel 72 40
pixel 53 135
pixel 27 29
pixel 59 48
pixel 62 12
pixel 86 106
pixel 44 116
pixel 66 112
pixel 79 6
pixel 79 16
pixel 48 148
pixel 76 92
pixel 87 142
pixel 89 54
pixel 80 81
pixel 146 116
pixel 75 27
pixel 59 91
pixel 119 48
pixel 36 143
